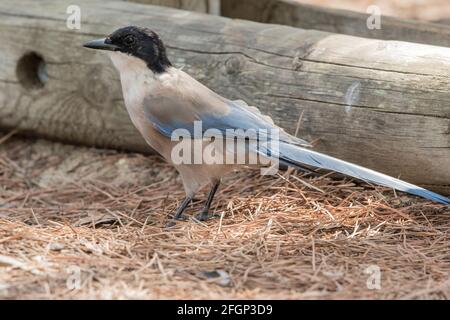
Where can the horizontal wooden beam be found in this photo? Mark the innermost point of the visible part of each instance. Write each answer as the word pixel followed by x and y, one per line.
pixel 296 14
pixel 384 105
pixel 444 21
pixel 203 6
pixel 191 5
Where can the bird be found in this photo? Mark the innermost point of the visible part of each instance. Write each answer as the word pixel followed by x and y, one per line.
pixel 163 100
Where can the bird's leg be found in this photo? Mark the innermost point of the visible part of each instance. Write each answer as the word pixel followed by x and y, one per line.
pixel 178 215
pixel 204 215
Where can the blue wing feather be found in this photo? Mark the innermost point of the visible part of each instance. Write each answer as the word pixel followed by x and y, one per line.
pixel 238 117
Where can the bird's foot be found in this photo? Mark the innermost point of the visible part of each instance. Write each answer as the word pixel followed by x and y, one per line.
pixel 170 224
pixel 181 218
pixel 204 215
pixel 173 221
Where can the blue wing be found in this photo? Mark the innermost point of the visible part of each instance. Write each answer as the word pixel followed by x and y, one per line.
pixel 169 113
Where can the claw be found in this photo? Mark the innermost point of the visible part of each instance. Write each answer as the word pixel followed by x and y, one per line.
pixel 173 221
pixel 204 216
pixel 170 224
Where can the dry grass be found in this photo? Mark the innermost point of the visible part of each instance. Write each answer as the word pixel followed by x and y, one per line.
pixel 65 209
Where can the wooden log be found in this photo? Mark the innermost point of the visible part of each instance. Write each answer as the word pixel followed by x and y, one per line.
pixel 384 105
pixel 191 5
pixel 296 14
pixel 203 6
pixel 444 21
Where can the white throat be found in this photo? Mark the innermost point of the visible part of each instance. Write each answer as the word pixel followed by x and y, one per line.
pixel 127 63
pixel 134 72
pixel 138 81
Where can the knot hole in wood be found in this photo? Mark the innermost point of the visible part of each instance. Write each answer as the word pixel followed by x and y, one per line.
pixel 31 71
pixel 234 65
pixel 95 88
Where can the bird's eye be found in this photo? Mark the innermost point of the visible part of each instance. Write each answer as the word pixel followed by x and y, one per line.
pixel 129 40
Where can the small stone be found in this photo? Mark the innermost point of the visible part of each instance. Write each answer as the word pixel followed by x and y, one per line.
pixel 221 277
pixel 56 246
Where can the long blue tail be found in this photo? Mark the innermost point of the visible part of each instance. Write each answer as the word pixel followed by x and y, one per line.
pixel 296 156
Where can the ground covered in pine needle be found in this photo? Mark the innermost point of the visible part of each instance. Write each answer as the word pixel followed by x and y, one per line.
pixel 87 223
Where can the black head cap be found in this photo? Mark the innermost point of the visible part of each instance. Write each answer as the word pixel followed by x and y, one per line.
pixel 139 42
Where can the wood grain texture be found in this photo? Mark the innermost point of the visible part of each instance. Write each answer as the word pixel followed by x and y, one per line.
pixel 384 105
pixel 444 21
pixel 191 5
pixel 293 13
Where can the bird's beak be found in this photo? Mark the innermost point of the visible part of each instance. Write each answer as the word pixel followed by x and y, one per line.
pixel 101 44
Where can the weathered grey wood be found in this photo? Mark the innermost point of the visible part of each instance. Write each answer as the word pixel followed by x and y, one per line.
pixel 191 5
pixel 385 105
pixel 296 14
pixel 203 6
pixel 444 21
